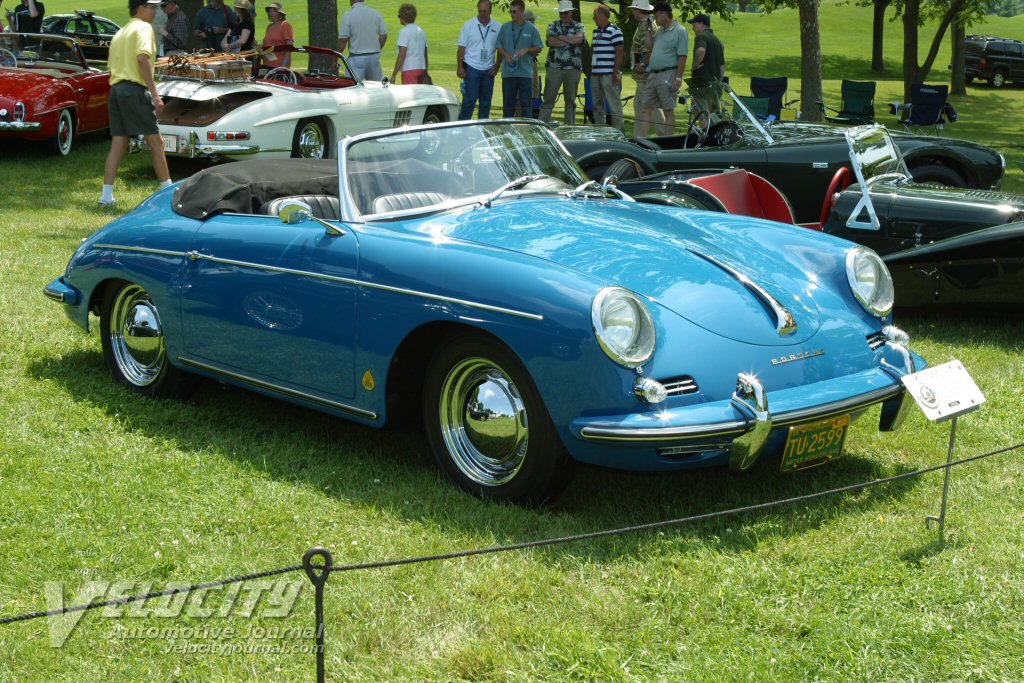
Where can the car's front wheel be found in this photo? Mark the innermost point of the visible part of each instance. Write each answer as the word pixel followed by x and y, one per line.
pixel 133 343
pixel 64 136
pixel 311 140
pixel 939 174
pixel 487 425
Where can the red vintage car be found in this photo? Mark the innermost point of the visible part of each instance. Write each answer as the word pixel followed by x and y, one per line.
pixel 48 91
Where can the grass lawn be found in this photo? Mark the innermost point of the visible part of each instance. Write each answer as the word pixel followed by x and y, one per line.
pixel 99 485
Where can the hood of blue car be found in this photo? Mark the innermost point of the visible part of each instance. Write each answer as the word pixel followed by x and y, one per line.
pixel 718 271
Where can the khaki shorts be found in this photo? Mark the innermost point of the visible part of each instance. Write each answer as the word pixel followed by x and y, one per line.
pixel 658 90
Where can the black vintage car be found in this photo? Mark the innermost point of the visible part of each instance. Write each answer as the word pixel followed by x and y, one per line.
pixel 943 245
pixel 798 158
pixel 93 33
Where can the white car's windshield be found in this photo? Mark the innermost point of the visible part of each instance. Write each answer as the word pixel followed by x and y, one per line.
pixel 449 164
pixel 873 153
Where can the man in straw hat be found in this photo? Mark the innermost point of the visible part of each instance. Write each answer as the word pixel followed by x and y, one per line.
pixel 564 64
pixel 640 51
pixel 666 67
pixel 133 102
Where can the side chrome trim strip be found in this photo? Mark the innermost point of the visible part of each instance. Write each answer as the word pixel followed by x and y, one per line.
pixel 737 427
pixel 279 389
pixel 785 323
pixel 196 256
pixel 141 250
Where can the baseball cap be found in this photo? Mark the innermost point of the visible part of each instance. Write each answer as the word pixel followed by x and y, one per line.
pixel 132 4
pixel 700 19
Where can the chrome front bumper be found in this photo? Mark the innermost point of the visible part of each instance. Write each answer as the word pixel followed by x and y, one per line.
pixel 19 126
pixel 742 424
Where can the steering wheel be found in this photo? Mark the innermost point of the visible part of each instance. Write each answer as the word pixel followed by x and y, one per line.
pixel 699 128
pixel 7 58
pixel 282 74
pixel 840 181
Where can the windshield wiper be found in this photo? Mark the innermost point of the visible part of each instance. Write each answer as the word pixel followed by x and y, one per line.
pixel 512 185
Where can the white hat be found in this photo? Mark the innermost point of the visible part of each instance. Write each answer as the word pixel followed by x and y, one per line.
pixel 564 6
pixel 642 5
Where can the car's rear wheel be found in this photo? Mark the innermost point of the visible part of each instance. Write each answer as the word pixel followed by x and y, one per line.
pixel 64 137
pixel 133 343
pixel 939 174
pixel 623 169
pixel 311 140
pixel 487 425
pixel 998 79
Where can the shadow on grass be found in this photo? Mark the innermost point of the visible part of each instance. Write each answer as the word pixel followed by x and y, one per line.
pixel 393 471
pixel 1003 330
pixel 851 68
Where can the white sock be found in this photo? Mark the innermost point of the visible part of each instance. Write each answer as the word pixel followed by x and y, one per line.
pixel 107 194
pixel 165 183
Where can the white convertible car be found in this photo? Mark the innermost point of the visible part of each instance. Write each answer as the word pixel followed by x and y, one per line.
pixel 215 108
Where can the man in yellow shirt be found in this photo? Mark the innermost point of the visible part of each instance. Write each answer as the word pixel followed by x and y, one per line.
pixel 134 102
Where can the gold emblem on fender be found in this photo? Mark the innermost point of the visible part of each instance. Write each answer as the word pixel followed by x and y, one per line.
pixel 368 383
pixel 803 355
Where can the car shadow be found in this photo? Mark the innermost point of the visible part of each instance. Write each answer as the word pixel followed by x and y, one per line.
pixel 393 470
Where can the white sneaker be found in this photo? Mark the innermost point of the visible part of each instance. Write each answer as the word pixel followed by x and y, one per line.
pixel 106 203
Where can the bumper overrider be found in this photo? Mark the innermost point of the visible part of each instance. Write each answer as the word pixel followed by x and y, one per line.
pixel 742 424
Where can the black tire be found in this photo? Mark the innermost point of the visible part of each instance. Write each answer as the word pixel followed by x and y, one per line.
pixel 64 138
pixel 504 448
pixel 969 79
pixel 133 344
pixel 997 79
pixel 435 115
pixel 624 169
pixel 311 140
pixel 939 174
pixel 430 141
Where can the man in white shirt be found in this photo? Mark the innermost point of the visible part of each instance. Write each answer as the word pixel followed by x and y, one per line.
pixel 477 61
pixel 363 32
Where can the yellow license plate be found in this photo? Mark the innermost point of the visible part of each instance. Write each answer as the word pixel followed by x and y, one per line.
pixel 814 444
pixel 170 143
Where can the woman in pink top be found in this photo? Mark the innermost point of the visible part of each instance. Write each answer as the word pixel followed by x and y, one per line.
pixel 279 32
pixel 412 48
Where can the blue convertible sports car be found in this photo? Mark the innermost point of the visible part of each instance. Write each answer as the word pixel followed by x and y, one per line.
pixel 471 272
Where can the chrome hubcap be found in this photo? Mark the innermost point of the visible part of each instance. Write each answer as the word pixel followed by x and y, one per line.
pixel 484 422
pixel 311 142
pixel 136 337
pixel 64 131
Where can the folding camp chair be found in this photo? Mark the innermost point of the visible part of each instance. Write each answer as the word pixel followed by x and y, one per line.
pixel 857 106
pixel 927 108
pixel 774 89
pixel 758 106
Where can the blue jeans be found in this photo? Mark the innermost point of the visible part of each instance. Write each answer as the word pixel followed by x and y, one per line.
pixel 479 86
pixel 517 90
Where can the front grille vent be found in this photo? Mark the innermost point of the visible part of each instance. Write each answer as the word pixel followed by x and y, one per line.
pixel 403 117
pixel 875 340
pixel 679 386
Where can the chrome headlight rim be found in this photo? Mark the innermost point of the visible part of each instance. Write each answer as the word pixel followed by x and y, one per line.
pixel 642 340
pixel 879 299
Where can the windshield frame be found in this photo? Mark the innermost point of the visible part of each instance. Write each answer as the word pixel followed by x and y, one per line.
pixel 350 211
pixel 896 170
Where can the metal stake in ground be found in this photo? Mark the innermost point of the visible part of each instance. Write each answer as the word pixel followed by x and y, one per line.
pixel 941 519
pixel 318 574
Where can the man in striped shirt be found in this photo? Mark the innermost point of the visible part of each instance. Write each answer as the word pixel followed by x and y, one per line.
pixel 606 60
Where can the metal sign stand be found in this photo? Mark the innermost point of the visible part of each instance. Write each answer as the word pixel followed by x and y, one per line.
pixel 941 518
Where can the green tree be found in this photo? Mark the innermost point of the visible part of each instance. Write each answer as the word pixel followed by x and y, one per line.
pixel 810 54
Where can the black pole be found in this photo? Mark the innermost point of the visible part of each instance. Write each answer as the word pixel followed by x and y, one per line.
pixel 318 574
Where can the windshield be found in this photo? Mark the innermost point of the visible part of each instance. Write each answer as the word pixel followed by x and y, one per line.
pixel 450 164
pixel 873 153
pixel 30 51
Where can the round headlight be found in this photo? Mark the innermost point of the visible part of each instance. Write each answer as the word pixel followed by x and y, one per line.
pixel 870 281
pixel 623 326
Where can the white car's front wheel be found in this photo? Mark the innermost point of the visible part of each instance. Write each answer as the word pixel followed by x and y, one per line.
pixel 311 140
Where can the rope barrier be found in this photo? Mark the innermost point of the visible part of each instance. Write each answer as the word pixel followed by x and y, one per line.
pixel 328 568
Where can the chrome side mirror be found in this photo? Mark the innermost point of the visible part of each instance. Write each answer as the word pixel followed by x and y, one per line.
pixel 294 211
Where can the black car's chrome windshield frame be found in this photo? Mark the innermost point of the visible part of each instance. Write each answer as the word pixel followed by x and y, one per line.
pixel 901 174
